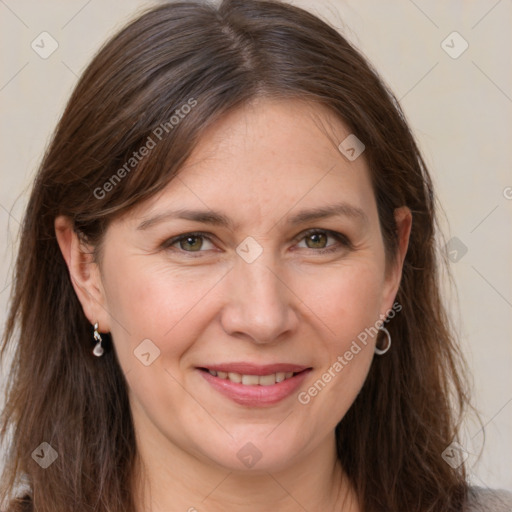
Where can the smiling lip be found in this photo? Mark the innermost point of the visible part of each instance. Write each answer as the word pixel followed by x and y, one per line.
pixel 253 369
pixel 255 395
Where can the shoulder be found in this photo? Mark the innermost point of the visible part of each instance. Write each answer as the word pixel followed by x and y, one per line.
pixel 489 500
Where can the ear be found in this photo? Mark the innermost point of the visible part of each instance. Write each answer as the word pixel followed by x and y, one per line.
pixel 84 273
pixel 403 221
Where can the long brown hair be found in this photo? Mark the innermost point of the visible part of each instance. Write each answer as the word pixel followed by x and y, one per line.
pixel 390 442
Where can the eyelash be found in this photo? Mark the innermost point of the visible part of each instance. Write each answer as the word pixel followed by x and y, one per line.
pixel 342 239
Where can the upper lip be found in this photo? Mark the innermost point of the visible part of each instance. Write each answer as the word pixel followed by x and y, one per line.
pixel 254 369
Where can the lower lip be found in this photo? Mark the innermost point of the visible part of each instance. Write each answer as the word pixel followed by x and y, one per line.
pixel 256 396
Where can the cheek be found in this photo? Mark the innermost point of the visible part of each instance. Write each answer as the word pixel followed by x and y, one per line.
pixel 347 306
pixel 354 308
pixel 151 300
pixel 346 298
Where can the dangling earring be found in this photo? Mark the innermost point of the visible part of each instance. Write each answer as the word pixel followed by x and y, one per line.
pixel 98 349
pixel 380 351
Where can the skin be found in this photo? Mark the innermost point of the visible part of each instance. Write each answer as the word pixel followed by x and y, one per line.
pixel 259 165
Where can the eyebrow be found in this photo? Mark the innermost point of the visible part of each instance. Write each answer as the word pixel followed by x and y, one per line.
pixel 219 219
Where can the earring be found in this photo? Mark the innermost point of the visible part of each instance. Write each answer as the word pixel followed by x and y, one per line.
pixel 380 351
pixel 98 349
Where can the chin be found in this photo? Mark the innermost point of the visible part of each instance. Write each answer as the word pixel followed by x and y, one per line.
pixel 255 453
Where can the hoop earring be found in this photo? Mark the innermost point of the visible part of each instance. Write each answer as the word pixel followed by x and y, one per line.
pixel 380 351
pixel 98 349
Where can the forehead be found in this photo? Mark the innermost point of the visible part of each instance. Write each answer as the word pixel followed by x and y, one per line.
pixel 271 133
pixel 267 158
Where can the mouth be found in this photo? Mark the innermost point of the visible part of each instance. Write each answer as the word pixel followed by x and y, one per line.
pixel 252 385
pixel 251 380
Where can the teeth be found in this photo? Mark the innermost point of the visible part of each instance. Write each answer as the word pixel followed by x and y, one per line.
pixel 267 380
pixel 250 380
pixel 235 377
pixel 253 380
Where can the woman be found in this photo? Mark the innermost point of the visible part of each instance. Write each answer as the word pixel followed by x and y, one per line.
pixel 228 266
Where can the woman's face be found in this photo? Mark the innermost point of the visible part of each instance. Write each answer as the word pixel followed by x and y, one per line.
pixel 268 288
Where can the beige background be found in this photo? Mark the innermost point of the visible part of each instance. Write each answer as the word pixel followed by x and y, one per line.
pixel 460 109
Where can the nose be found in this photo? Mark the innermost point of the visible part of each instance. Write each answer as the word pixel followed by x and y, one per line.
pixel 261 305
